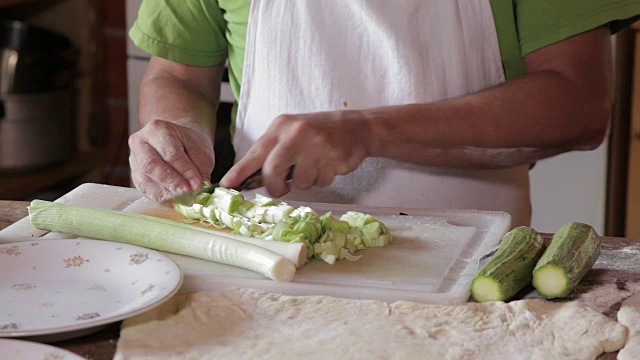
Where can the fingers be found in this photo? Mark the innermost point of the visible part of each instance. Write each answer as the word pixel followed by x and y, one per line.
pixel 152 175
pixel 306 172
pixel 151 189
pixel 168 159
pixel 246 166
pixel 275 175
pixel 317 146
pixel 325 178
pixel 203 157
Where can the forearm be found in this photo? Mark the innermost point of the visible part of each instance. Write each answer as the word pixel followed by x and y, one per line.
pixel 501 127
pixel 562 104
pixel 185 95
pixel 175 101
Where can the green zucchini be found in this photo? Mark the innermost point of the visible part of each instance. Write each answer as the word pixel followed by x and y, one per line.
pixel 574 249
pixel 509 269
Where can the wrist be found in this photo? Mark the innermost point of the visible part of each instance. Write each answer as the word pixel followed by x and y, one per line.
pixel 376 131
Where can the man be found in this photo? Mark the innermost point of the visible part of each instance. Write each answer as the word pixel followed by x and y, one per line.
pixel 438 103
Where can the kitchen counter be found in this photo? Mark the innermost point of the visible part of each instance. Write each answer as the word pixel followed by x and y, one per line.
pixel 613 278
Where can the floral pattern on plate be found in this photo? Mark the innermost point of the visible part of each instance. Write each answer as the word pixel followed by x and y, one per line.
pixel 58 286
pixel 75 261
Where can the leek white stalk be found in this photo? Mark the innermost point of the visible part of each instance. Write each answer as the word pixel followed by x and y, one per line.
pixel 296 252
pixel 160 234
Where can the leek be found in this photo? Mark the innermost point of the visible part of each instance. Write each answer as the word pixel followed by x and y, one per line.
pixel 330 222
pixel 225 199
pixel 372 232
pixel 325 237
pixel 262 200
pixel 160 234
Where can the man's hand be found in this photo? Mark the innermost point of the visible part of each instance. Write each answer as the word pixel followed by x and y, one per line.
pixel 168 159
pixel 317 146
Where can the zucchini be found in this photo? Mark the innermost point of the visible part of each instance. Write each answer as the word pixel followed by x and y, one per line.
pixel 574 249
pixel 509 269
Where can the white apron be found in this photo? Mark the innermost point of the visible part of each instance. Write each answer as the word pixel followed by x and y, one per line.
pixel 321 55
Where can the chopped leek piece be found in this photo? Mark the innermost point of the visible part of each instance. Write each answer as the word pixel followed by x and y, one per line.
pixel 203 199
pixel 227 200
pixel 344 254
pixel 262 217
pixel 302 210
pixel 271 214
pixel 262 200
pixel 232 221
pixel 372 232
pixel 327 251
pixel 357 219
pixel 247 208
pixel 330 222
pixel 187 211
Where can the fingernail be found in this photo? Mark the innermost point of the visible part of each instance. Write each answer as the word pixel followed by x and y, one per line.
pixel 182 190
pixel 195 184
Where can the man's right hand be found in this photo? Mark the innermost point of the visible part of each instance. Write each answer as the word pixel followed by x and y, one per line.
pixel 168 159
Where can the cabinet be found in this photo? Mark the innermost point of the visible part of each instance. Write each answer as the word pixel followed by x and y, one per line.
pixel 84 31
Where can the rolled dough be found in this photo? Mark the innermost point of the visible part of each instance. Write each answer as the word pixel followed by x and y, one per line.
pixel 629 316
pixel 251 324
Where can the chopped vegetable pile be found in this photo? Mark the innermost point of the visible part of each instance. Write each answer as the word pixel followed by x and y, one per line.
pixel 325 236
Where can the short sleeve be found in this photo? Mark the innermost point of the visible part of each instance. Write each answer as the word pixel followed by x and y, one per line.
pixel 191 32
pixel 544 22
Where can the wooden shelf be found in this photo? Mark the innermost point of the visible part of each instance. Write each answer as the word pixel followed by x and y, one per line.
pixel 19 186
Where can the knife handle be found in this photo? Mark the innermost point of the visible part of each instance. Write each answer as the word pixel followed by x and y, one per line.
pixel 254 180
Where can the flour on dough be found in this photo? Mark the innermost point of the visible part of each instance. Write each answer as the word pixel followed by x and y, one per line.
pixel 629 316
pixel 251 324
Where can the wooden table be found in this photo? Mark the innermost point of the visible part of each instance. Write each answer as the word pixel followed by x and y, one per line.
pixel 613 278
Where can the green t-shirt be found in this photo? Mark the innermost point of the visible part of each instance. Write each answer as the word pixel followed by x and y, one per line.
pixel 208 32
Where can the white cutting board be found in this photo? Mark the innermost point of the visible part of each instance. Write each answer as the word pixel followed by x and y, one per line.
pixel 432 259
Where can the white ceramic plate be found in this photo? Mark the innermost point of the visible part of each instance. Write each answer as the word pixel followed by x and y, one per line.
pixel 53 290
pixel 27 350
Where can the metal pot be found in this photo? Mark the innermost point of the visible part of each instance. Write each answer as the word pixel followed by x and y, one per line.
pixel 37 130
pixel 33 59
